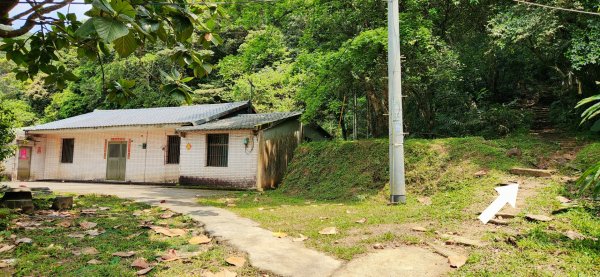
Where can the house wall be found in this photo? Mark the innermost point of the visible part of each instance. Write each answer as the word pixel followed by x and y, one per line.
pixel 89 156
pixel 276 149
pixel 240 172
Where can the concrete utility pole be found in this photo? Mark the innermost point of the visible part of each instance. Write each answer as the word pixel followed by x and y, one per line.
pixel 397 186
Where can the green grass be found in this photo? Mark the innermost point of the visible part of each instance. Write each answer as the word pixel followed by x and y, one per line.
pixel 51 253
pixel 354 170
pixel 353 187
pixel 588 156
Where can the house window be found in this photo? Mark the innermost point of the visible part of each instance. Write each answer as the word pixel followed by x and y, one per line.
pixel 173 143
pixel 66 156
pixel 217 150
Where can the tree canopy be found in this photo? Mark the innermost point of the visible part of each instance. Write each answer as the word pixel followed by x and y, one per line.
pixel 469 67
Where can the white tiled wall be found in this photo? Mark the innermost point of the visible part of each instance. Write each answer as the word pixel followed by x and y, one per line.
pixel 242 160
pixel 89 162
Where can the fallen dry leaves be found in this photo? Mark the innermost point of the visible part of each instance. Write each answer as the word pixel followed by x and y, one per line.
pixel 361 221
pixel 300 238
pixel 89 251
pixel 94 262
pixel 168 232
pixel 94 232
pixel 222 273
pixel 65 223
pixel 76 235
pixel 170 256
pixel 280 234
pixel 6 248
pixel 140 263
pixel 87 225
pixel 236 261
pixel 144 271
pixel 124 254
pixel 168 214
pixel 201 239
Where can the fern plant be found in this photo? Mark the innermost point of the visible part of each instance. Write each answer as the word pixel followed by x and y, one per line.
pixel 591 177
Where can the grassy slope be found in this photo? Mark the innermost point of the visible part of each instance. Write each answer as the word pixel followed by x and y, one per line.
pixel 351 170
pixel 347 180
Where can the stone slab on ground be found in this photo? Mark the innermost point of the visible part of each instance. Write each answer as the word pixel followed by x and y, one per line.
pixel 265 252
pixel 403 261
pixel 531 172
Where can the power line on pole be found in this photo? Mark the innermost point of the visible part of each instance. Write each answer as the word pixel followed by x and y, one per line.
pixel 397 184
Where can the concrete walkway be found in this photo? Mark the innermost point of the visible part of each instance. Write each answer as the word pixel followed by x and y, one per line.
pixel 266 252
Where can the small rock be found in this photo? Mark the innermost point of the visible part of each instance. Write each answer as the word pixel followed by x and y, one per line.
pixel 378 246
pixel 514 152
pixel 568 180
pixel 236 261
pixel 531 172
pixel 563 199
pixel 480 173
pixel 329 231
pixel 456 261
pixel 505 215
pixel 23 240
pixel 62 203
pixel 419 229
pixel 498 221
pixel 536 217
pixel 300 238
pixel 574 235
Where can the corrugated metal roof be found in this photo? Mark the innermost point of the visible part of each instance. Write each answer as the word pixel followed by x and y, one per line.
pixel 196 114
pixel 241 122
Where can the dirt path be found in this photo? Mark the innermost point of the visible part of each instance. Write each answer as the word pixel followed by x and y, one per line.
pixel 266 252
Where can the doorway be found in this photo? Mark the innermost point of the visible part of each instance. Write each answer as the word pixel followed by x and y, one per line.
pixel 24 163
pixel 116 161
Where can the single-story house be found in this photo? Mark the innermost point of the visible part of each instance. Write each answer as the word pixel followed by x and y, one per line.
pixel 214 145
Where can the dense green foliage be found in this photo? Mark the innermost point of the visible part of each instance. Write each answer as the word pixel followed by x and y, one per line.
pixel 7 135
pixel 121 26
pixel 469 67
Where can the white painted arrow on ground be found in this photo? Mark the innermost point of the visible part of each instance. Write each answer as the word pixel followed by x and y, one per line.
pixel 507 194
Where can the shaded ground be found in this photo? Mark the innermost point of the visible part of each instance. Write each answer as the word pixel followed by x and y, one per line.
pixel 105 236
pixel 243 234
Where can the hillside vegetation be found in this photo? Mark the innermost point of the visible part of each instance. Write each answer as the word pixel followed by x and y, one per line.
pixel 352 170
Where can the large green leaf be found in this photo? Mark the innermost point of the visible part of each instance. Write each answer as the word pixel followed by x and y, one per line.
pixel 86 29
pixel 183 27
pixel 104 6
pixel 124 8
pixel 110 29
pixel 125 45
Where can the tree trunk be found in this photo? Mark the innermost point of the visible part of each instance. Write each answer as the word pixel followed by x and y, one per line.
pixel 379 118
